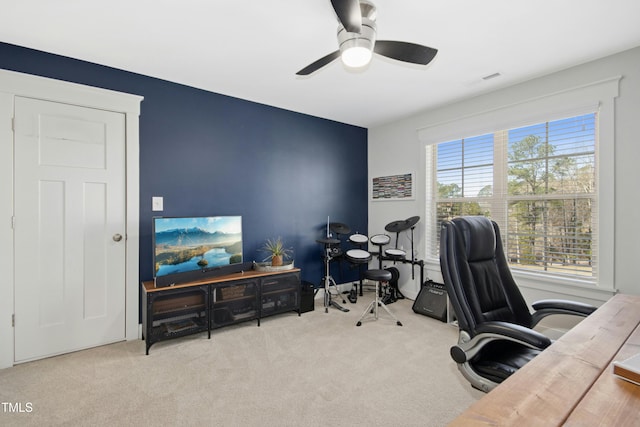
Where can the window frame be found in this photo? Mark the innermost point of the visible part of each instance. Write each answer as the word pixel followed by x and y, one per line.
pixel 455 161
pixel 596 96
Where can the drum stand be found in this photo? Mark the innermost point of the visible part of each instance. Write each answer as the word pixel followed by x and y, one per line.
pixel 353 297
pixel 393 291
pixel 328 282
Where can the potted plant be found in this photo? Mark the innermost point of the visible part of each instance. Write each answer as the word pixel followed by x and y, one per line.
pixel 277 251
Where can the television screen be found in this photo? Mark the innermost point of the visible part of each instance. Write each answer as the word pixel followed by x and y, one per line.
pixel 187 244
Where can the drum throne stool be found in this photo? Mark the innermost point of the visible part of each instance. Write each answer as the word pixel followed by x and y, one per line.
pixel 378 276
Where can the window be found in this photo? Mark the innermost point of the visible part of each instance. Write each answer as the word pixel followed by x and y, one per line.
pixel 537 182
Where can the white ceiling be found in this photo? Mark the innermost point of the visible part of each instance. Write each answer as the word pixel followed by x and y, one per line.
pixel 252 49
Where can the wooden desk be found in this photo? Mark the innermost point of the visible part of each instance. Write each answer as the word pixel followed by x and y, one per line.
pixel 571 383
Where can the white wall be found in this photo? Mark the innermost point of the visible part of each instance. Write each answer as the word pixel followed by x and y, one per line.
pixel 394 148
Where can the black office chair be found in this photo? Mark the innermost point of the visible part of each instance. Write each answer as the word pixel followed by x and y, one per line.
pixel 495 326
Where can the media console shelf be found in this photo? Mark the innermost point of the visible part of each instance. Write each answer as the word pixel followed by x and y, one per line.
pixel 206 304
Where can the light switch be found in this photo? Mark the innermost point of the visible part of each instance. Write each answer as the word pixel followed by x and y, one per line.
pixel 157 203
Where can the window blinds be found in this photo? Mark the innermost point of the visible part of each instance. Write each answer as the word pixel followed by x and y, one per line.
pixel 537 182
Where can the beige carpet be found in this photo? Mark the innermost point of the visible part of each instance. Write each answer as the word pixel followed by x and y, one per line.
pixel 318 369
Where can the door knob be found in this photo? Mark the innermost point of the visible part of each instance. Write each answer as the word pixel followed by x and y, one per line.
pixel 117 237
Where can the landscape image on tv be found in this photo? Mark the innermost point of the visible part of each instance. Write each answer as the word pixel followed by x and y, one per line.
pixel 196 243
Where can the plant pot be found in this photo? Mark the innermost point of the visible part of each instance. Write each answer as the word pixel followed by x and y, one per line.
pixel 266 266
pixel 276 260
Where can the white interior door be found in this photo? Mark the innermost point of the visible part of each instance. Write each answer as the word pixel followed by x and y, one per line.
pixel 69 211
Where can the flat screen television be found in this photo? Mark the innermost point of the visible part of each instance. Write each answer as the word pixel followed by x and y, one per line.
pixel 189 248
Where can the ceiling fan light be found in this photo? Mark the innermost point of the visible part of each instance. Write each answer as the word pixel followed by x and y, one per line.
pixel 356 56
pixel 356 49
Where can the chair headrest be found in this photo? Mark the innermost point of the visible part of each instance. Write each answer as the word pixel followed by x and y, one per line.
pixel 479 236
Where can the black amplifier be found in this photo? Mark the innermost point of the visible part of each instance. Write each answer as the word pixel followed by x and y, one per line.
pixel 432 301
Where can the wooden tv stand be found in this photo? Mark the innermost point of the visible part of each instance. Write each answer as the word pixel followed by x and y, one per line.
pixel 206 304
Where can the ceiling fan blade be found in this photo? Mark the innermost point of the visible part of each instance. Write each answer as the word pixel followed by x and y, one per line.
pixel 404 51
pixel 349 14
pixel 319 64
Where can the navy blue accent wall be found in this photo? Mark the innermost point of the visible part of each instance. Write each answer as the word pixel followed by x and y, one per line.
pixel 210 154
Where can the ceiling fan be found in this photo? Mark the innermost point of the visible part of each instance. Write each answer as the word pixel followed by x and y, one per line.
pixel 357 40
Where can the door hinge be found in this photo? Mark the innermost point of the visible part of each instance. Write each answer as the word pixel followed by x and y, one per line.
pixel 13 222
pixel 13 124
pixel 13 320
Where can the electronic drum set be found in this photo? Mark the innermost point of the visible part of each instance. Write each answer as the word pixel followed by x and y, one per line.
pixel 359 256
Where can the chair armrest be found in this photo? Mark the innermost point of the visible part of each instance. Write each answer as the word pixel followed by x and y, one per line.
pixel 514 332
pixel 493 331
pixel 544 308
